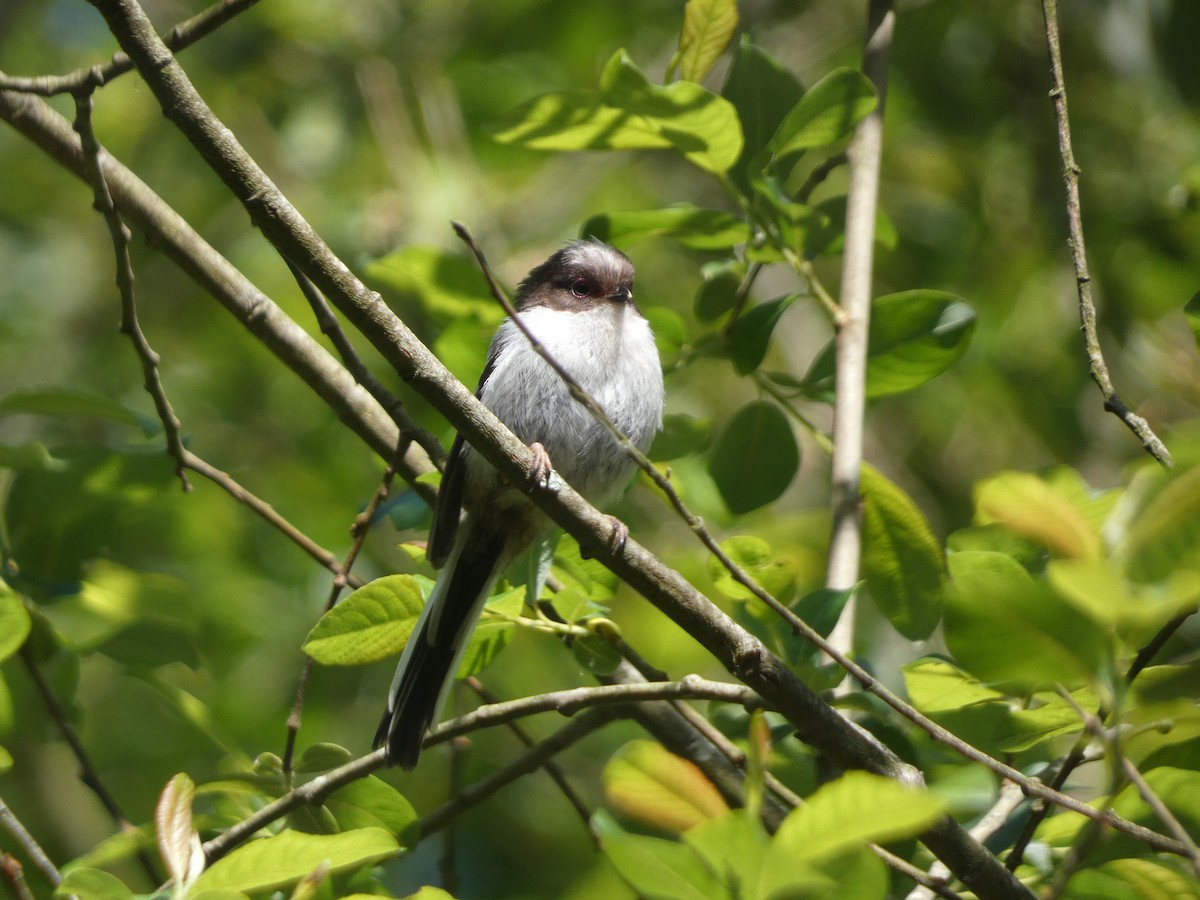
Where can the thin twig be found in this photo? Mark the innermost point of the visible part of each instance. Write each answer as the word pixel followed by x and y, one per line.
pixel 28 843
pixel 849 408
pixel 1161 810
pixel 1097 368
pixel 103 203
pixel 332 329
pixel 180 37
pixel 529 761
pixel 266 511
pixel 87 772
pixel 358 533
pixel 553 769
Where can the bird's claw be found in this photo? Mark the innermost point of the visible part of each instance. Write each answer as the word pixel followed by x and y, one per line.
pixel 617 537
pixel 540 468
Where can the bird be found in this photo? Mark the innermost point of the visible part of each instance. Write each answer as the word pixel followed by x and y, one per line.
pixel 580 307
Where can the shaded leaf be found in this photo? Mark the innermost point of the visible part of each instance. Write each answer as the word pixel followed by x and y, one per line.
pixel 92 884
pixel 70 402
pixel 680 436
pixel 31 455
pixel 719 290
pixel 763 92
pixel 274 862
pixel 322 757
pixel 491 634
pixel 753 555
pixel 151 641
pixel 371 802
pixel 596 655
pixel 902 561
pixel 1191 311
pixel 752 333
pixel 914 336
pixel 755 458
pixel 708 27
pixel 1165 535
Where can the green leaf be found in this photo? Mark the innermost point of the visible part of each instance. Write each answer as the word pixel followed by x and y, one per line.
pixel 649 784
pixel 680 436
pixel 914 336
pixel 275 862
pixel 597 655
pixel 6 761
pixel 151 641
pixel 691 226
pixel 589 576
pixel 719 290
pixel 763 92
pixel 732 846
pixel 577 120
pixel 69 402
pixel 1096 589
pixel 92 884
pixel 491 634
pixel 1038 511
pixel 1191 311
pixel 752 333
pixel 708 27
pixel 371 624
pixel 178 842
pixel 903 567
pixel 31 455
pixel 1165 535
pixel 826 113
pixel 844 814
pixel 322 757
pixel 447 286
pixel 372 802
pixel 1004 627
pixel 825 232
pixel 753 555
pixel 755 458
pixel 655 868
pixel 698 123
pixel 936 686
pixel 670 333
pixel 15 623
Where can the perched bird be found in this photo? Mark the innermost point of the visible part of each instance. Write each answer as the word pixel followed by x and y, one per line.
pixel 579 305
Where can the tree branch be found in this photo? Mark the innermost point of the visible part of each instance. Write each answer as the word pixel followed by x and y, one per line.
pixel 849 408
pixel 28 843
pixel 1097 368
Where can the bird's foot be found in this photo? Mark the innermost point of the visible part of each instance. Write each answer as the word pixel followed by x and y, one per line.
pixel 616 537
pixel 540 468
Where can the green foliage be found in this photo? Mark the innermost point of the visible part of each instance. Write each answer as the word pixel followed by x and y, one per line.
pixel 171 626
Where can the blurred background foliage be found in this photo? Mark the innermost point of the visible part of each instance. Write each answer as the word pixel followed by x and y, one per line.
pixel 376 118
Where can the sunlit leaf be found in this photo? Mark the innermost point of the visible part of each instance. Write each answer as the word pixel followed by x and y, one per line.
pixel 371 802
pixel 653 786
pixel 826 113
pixel 1165 535
pixel 691 226
pixel 855 808
pixel 15 623
pixel 274 862
pixel 445 285
pixel 1045 640
pixel 371 624
pixel 654 867
pixel 733 846
pixel 697 122
pixel 708 27
pixel 31 455
pixel 755 458
pixel 934 685
pixel 1035 510
pixel 322 757
pixel 92 884
pixel 753 555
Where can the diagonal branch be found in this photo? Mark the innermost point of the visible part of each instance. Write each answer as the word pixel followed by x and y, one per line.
pixel 10 823
pixel 1083 279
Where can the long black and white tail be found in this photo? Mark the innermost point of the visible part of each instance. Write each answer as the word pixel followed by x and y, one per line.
pixel 435 648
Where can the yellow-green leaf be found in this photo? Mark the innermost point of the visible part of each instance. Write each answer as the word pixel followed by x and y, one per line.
pixel 654 786
pixel 708 27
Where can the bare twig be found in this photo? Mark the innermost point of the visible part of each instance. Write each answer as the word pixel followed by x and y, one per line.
pixel 330 327
pixel 1083 279
pixel 529 761
pixel 14 874
pixel 87 772
pixel 180 37
pixel 1161 810
pixel 849 408
pixel 358 534
pixel 553 769
pixel 28 843
pixel 103 203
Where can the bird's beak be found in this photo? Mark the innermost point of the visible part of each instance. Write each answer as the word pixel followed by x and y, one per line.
pixel 621 295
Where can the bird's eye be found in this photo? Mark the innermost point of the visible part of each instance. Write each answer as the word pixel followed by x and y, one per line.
pixel 580 287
